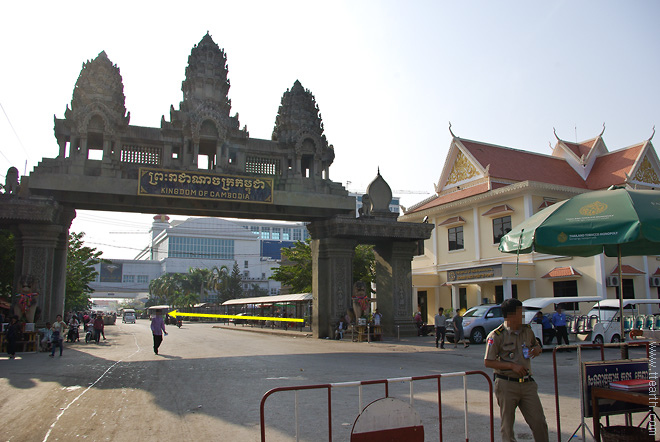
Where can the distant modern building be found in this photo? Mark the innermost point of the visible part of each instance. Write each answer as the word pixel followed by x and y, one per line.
pixel 177 246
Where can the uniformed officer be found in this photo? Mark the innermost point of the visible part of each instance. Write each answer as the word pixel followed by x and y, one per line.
pixel 509 349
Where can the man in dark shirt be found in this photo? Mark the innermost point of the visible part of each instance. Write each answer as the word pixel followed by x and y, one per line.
pixel 98 328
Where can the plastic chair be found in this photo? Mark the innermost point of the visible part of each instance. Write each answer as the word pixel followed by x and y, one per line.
pixel 648 322
pixel 639 322
pixel 593 320
pixel 581 324
pixel 627 323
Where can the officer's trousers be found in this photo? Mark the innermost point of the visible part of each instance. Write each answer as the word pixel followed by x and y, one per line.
pixel 523 395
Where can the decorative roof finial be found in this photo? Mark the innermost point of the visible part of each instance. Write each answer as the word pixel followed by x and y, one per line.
pixel 603 131
pixel 652 133
pixel 380 196
pixel 555 131
pixel 452 133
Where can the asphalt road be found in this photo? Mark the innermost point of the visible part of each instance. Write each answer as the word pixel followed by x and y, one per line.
pixel 207 384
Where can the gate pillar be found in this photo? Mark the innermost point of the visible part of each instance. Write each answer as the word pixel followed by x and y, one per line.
pixel 41 229
pixel 394 286
pixel 43 254
pixel 332 281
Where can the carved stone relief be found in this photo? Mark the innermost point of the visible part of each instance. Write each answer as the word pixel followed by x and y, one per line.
pixel 340 277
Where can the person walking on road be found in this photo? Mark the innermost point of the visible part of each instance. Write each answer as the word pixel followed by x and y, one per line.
pixel 440 321
pixel 158 330
pixel 98 328
pixel 57 338
pixel 509 350
pixel 459 334
pixel 13 335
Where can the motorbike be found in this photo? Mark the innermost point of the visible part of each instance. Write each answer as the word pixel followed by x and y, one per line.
pixel 179 323
pixel 73 334
pixel 89 334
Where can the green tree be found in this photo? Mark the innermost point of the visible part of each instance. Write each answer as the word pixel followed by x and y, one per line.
pixel 181 290
pixel 296 271
pixel 80 272
pixel 234 288
pixel 218 277
pixel 364 268
pixel 166 288
pixel 218 281
pixel 197 282
pixel 186 300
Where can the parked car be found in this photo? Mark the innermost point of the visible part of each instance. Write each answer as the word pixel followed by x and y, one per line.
pixel 239 320
pixel 478 322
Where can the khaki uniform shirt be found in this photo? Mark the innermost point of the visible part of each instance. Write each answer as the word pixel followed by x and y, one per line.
pixel 504 344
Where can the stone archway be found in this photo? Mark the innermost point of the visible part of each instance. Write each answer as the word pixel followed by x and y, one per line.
pixel 333 246
pixel 155 170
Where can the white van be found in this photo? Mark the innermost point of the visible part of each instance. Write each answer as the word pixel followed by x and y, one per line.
pixel 547 306
pixel 129 316
pixel 607 326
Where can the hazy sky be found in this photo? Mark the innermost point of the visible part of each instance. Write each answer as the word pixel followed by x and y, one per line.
pixel 388 76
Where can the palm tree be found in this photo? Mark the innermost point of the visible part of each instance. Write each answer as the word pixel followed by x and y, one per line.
pixel 155 288
pixel 167 287
pixel 186 300
pixel 197 281
pixel 218 280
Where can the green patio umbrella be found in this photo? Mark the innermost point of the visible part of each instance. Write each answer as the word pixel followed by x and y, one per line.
pixel 618 222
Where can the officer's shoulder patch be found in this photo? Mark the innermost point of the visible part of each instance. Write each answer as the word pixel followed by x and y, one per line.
pixel 499 329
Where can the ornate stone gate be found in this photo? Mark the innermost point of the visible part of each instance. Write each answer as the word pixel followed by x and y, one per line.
pixel 395 243
pixel 200 162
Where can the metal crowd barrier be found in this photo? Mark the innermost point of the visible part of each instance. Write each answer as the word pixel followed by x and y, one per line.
pixel 386 383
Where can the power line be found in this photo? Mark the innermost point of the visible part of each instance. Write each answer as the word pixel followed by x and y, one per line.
pixel 15 133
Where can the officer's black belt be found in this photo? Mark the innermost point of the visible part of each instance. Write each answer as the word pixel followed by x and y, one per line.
pixel 512 379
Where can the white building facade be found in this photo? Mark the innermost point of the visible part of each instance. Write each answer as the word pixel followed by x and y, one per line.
pixel 178 246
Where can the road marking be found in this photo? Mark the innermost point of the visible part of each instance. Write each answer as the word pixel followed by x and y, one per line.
pixel 50 429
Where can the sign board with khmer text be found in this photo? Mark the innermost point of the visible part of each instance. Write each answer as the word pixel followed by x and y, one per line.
pixel 208 186
pixel 474 273
pixel 601 373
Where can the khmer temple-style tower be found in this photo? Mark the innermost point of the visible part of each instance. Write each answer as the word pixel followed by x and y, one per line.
pixel 200 162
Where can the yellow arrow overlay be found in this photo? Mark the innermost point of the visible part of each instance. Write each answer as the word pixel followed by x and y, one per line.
pixel 255 318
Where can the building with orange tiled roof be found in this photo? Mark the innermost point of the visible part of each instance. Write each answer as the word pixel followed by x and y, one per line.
pixel 485 189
